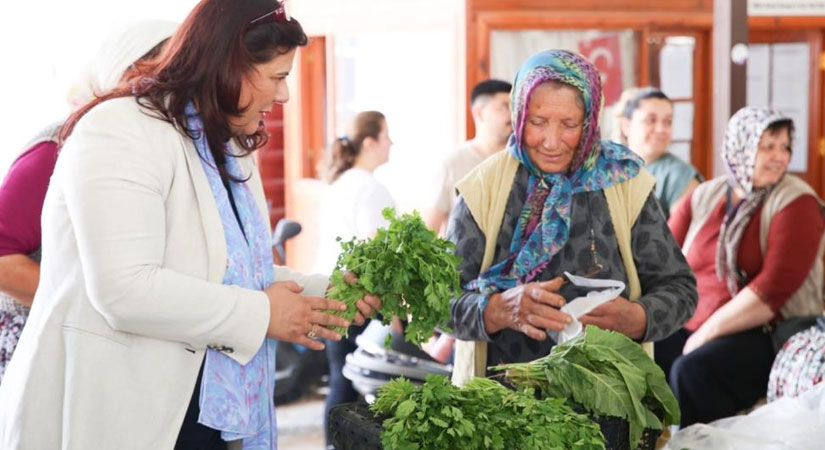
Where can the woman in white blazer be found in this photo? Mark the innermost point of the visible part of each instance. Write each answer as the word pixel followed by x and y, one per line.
pixel 140 249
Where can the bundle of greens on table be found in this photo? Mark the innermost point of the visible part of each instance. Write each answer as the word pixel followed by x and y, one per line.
pixel 606 374
pixel 408 267
pixel 482 414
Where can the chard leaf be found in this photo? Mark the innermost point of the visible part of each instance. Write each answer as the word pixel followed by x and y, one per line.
pixel 605 373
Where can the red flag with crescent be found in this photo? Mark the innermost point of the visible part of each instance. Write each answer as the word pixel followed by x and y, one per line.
pixel 604 52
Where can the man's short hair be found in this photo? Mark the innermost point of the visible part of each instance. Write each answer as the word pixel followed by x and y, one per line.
pixel 489 88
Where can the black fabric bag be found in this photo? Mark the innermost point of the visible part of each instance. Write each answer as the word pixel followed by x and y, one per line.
pixel 782 331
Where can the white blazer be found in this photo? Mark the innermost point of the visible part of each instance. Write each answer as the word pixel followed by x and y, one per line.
pixel 130 291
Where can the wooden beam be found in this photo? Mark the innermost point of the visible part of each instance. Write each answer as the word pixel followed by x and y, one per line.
pixel 730 27
pixel 738 70
pixel 791 22
pixel 595 5
pixel 472 63
pixel 558 20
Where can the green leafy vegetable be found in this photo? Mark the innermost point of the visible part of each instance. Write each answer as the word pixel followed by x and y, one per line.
pixel 408 267
pixel 481 415
pixel 605 373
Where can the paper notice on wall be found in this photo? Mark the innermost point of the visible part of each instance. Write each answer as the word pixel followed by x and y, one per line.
pixel 758 85
pixel 790 82
pixel 676 71
pixel 786 7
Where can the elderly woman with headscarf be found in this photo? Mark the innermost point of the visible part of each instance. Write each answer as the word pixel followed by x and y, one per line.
pixel 754 238
pixel 24 188
pixel 559 199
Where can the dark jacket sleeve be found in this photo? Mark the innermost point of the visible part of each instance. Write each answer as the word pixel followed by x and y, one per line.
pixel 466 311
pixel 668 286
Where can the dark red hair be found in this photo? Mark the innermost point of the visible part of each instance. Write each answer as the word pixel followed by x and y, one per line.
pixel 205 62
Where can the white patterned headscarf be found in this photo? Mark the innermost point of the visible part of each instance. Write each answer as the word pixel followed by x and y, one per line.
pixel 741 144
pixel 117 53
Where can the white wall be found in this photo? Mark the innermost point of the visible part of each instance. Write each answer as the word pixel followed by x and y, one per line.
pixel 418 83
pixel 43 46
pixel 404 58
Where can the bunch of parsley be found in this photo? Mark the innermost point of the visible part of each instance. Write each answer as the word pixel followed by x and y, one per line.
pixel 606 374
pixel 481 415
pixel 412 271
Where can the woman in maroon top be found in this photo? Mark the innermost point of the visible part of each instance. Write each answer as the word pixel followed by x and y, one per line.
pixel 24 189
pixel 754 239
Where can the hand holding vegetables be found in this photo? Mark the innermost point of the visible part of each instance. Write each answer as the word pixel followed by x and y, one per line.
pixel 367 306
pixel 412 271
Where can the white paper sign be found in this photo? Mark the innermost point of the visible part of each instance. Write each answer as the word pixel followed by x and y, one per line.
pixel 759 66
pixel 790 79
pixel 786 7
pixel 779 78
pixel 676 70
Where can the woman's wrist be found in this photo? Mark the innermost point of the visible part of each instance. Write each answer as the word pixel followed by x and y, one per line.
pixel 708 330
pixel 492 320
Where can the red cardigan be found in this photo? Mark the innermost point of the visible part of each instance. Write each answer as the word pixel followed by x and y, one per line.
pixel 787 261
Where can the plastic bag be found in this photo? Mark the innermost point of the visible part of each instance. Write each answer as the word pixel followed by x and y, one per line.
pixel 786 424
pixel 610 289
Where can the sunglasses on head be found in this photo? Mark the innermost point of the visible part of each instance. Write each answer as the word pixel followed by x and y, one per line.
pixel 277 15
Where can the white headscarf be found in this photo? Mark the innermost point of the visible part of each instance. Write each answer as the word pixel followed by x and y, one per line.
pixel 741 144
pixel 119 51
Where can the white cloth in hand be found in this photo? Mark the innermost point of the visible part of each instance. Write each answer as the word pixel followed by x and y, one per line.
pixel 583 305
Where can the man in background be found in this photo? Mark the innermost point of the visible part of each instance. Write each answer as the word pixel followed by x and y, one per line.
pixel 490 108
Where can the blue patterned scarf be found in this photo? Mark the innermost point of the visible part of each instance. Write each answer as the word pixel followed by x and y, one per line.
pixel 543 226
pixel 236 399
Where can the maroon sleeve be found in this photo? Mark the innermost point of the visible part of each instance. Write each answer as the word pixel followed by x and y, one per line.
pixel 21 199
pixel 793 241
pixel 679 221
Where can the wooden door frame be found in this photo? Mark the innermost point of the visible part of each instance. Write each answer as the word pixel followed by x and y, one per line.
pixel 306 111
pixel 702 138
pixel 304 138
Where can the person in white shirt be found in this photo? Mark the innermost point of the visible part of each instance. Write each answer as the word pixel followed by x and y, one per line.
pixel 352 204
pixel 490 107
pixel 351 207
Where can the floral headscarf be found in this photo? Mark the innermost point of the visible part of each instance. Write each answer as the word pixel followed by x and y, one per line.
pixel 543 226
pixel 739 151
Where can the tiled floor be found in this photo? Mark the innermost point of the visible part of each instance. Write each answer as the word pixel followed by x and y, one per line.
pixel 309 441
pixel 300 424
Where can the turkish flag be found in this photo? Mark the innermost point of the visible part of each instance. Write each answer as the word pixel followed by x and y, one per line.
pixel 605 54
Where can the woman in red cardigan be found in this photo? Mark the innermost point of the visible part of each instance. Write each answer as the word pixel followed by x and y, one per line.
pixel 754 238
